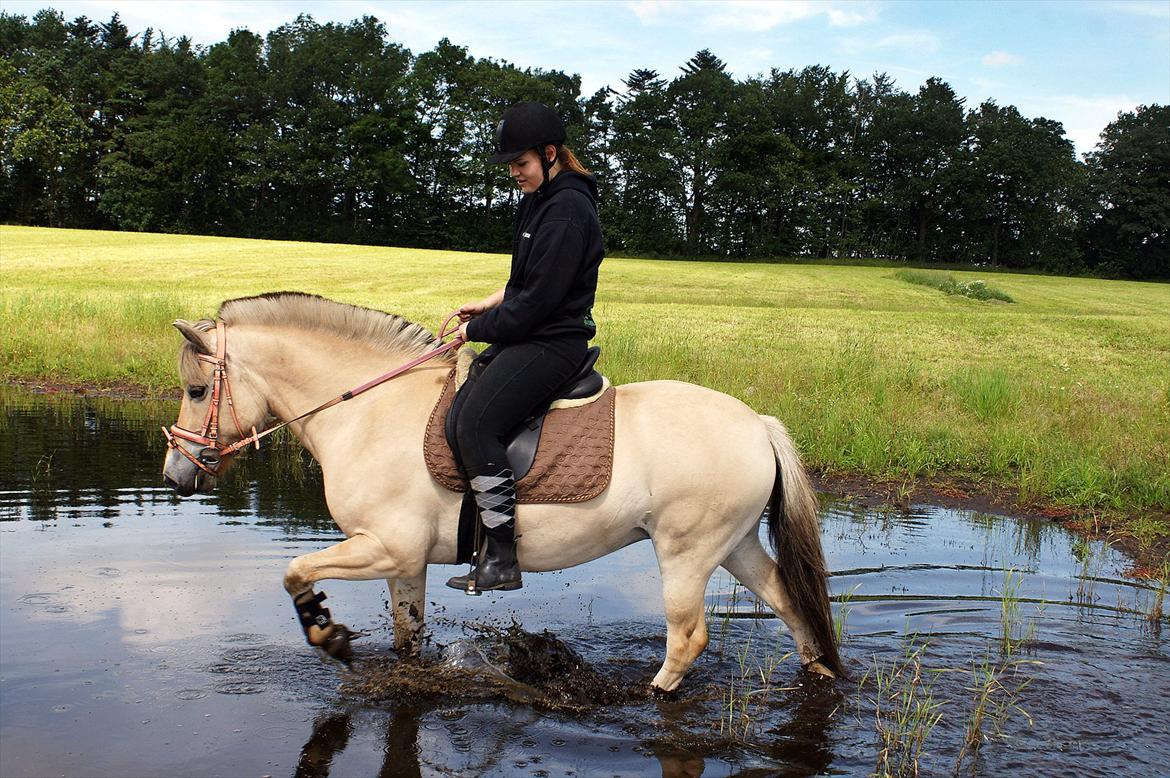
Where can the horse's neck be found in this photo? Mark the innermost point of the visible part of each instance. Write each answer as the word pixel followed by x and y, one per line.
pixel 298 371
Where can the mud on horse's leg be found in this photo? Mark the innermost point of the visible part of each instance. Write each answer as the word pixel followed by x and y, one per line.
pixel 407 599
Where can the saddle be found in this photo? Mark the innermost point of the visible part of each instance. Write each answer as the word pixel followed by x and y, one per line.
pixel 562 454
pixel 586 384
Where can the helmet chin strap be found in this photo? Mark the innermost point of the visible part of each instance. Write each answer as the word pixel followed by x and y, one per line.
pixel 545 165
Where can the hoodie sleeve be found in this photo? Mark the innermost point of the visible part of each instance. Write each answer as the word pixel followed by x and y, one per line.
pixel 554 261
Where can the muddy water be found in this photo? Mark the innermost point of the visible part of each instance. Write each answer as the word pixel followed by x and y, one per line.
pixel 141 635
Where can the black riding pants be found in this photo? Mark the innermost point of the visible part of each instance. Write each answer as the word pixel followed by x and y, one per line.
pixel 518 382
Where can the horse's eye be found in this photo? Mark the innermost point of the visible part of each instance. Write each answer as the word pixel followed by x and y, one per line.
pixel 196 392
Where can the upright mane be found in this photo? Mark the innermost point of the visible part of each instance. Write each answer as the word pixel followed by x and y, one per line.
pixel 385 331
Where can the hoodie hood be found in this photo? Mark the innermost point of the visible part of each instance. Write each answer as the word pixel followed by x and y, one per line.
pixel 568 179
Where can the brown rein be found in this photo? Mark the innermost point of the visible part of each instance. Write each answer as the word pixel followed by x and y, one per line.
pixel 208 434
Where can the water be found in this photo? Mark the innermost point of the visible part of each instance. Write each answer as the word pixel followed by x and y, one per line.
pixel 143 635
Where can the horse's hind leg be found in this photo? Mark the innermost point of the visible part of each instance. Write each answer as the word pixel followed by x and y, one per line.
pixel 686 628
pixel 758 572
pixel 407 599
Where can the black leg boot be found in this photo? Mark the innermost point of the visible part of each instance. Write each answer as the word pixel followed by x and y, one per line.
pixel 498 569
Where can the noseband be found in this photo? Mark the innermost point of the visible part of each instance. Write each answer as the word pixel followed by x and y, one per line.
pixel 211 458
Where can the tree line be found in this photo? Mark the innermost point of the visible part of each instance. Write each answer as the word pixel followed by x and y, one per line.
pixel 333 132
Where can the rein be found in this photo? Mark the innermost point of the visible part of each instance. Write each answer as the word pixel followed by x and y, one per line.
pixel 210 459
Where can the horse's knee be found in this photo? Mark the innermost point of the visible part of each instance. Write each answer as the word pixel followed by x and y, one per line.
pixel 296 577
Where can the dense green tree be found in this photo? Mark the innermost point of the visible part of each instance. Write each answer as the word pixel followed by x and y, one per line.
pixel 916 142
pixel 1130 183
pixel 41 147
pixel 646 217
pixel 698 104
pixel 1018 182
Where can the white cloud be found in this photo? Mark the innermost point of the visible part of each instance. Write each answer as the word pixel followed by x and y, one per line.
pixel 760 15
pixel 988 86
pixel 1157 9
pixel 997 59
pixel 912 42
pixel 651 11
pixel 852 16
pixel 920 41
pixel 1084 118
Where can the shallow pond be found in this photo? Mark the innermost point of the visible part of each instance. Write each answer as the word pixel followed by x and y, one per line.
pixel 142 635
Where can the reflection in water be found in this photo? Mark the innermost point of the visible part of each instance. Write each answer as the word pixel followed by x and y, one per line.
pixel 331 733
pixel 801 741
pixel 330 737
pixel 128 615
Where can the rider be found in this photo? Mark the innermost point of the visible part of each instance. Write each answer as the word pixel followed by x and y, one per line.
pixel 539 323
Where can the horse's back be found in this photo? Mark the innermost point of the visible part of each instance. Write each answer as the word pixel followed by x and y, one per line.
pixel 688 431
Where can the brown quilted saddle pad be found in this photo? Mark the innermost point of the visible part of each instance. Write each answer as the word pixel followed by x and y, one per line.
pixel 574 460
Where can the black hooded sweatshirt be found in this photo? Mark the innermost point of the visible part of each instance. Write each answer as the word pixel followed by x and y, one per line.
pixel 556 252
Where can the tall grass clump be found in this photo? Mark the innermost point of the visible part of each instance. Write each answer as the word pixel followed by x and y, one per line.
pixel 1014 631
pixel 996 690
pixel 946 282
pixel 841 617
pixel 986 393
pixel 1154 612
pixel 905 710
pixel 748 691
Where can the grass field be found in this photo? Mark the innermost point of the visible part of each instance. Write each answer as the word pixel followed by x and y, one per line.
pixel 1063 394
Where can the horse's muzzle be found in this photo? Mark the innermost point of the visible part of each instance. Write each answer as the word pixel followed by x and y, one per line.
pixel 183 477
pixel 183 490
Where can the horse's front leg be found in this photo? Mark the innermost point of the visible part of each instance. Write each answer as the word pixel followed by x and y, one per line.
pixel 407 599
pixel 359 558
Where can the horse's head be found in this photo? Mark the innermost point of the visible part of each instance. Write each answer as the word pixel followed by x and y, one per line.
pixel 214 414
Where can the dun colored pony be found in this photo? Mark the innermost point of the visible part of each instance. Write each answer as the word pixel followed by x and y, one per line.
pixel 693 471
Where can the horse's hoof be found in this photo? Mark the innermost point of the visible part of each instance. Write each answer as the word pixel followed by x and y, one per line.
pixel 658 693
pixel 337 646
pixel 817 668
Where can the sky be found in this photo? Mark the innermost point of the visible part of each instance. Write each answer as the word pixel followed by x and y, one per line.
pixel 1079 62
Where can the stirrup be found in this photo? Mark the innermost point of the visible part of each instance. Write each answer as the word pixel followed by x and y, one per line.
pixel 466 585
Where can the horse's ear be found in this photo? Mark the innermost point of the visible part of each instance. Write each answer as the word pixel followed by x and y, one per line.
pixel 196 337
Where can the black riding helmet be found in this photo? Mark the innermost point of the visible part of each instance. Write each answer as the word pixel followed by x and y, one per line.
pixel 528 126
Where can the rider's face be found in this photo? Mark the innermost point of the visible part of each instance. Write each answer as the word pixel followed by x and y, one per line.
pixel 527 171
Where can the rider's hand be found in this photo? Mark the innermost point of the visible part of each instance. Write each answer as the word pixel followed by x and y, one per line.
pixel 463 331
pixel 469 311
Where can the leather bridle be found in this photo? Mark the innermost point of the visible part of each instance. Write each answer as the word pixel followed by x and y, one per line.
pixel 211 458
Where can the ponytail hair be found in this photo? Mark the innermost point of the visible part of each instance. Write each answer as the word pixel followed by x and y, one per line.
pixel 569 161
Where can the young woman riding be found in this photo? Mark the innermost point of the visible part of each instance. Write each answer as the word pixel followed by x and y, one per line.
pixel 539 324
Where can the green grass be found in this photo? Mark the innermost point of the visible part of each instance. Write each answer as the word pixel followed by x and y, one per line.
pixel 976 289
pixel 905 710
pixel 1064 394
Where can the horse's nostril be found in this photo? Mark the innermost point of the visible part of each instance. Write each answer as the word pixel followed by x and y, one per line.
pixel 176 487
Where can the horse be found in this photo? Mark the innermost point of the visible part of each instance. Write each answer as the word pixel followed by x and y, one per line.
pixel 693 471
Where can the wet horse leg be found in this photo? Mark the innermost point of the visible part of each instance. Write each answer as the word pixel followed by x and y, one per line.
pixel 749 563
pixel 407 599
pixel 686 628
pixel 359 558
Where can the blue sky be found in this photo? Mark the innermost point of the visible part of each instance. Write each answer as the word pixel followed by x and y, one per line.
pixel 1079 63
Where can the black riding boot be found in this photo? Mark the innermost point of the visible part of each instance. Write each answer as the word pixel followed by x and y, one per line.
pixel 498 569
